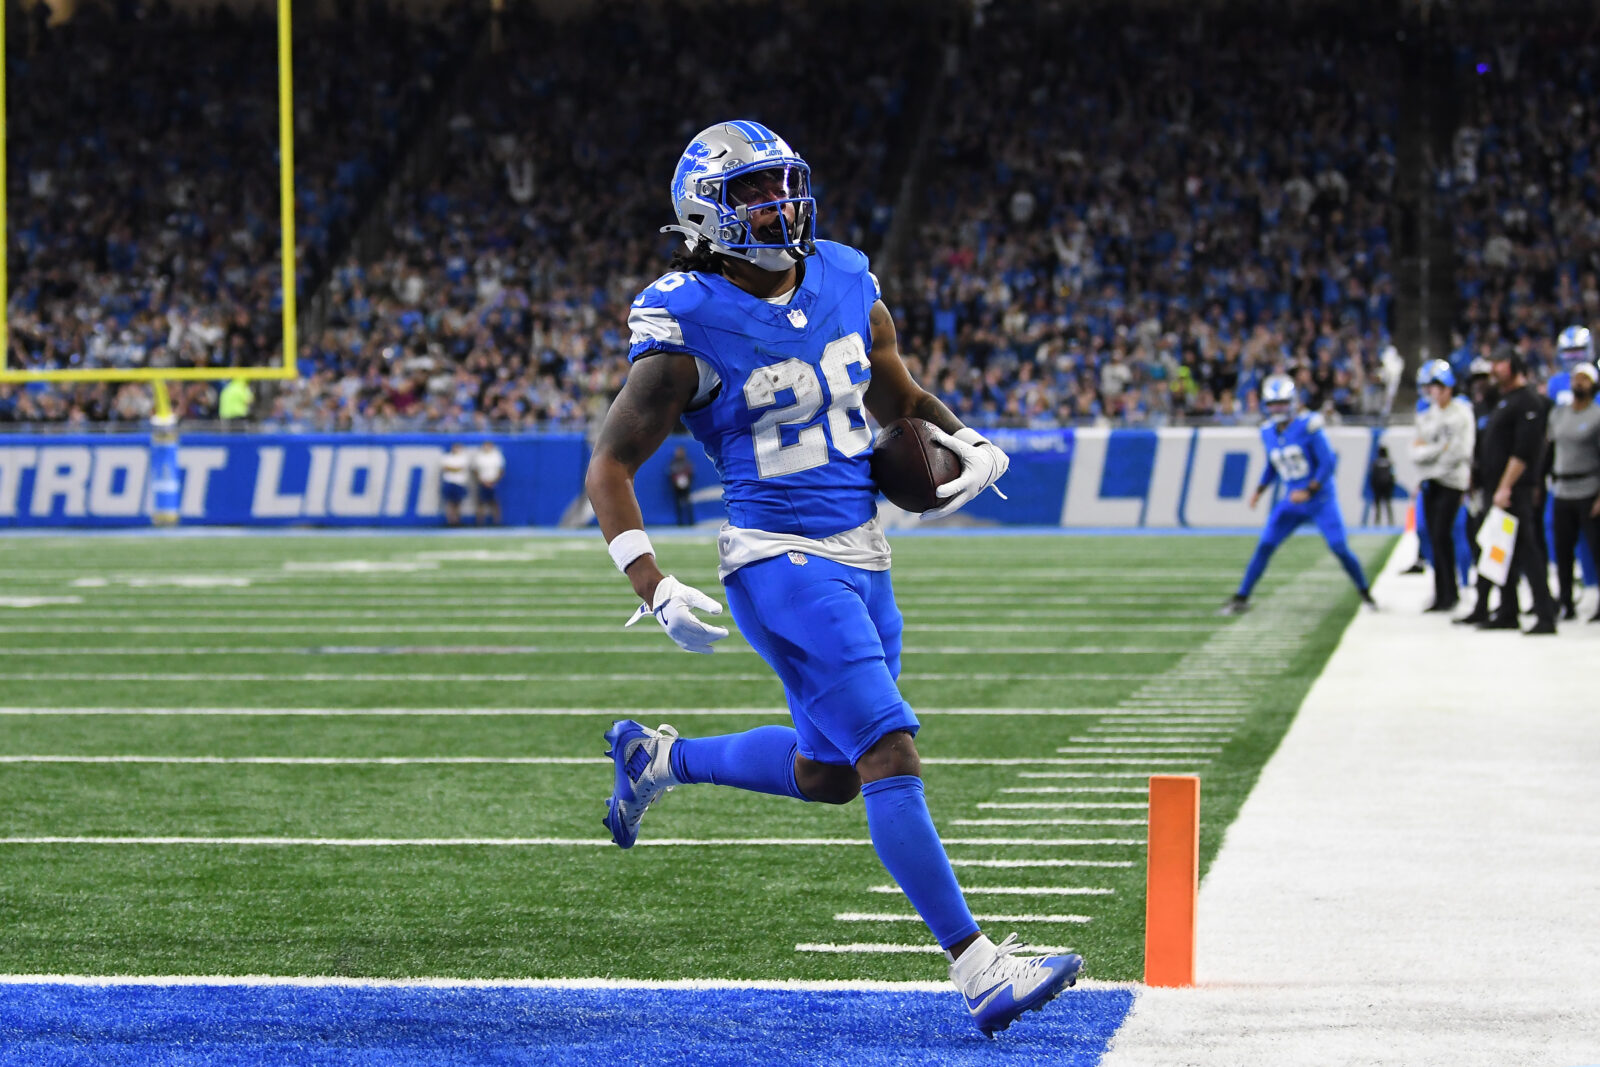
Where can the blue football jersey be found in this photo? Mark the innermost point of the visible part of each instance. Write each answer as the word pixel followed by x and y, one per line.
pixel 1559 387
pixel 785 425
pixel 1299 453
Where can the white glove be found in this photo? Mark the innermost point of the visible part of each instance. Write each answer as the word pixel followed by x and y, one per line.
pixel 672 609
pixel 982 464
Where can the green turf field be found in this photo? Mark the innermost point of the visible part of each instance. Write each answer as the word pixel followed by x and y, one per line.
pixel 1114 639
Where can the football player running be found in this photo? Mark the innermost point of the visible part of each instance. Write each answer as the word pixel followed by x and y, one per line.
pixel 1299 455
pixel 772 346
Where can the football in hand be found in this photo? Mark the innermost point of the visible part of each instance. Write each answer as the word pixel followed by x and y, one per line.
pixel 909 466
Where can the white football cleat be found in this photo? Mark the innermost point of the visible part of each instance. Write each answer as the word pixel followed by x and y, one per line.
pixel 643 775
pixel 999 985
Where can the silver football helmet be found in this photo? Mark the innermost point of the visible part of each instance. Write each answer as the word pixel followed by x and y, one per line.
pixel 733 171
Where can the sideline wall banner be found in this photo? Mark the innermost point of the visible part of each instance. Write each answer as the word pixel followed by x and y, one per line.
pixel 1155 479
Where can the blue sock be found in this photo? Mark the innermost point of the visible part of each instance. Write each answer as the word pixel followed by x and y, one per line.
pixel 1257 567
pixel 909 846
pixel 1352 566
pixel 760 760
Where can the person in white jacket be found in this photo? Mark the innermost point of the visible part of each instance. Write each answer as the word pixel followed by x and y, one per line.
pixel 1442 450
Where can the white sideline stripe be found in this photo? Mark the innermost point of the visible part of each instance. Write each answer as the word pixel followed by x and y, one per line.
pixel 1012 864
pixel 609 713
pixel 865 948
pixel 890 917
pixel 1350 973
pixel 1062 805
pixel 207 676
pixel 1047 822
pixel 1014 891
pixel 559 842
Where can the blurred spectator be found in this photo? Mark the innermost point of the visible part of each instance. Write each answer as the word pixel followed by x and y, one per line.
pixel 1102 246
pixel 1380 483
pixel 680 474
pixel 143 190
pixel 489 466
pixel 455 475
pixel 1520 188
pixel 235 400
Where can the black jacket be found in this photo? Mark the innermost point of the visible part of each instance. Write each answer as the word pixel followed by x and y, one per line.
pixel 1516 428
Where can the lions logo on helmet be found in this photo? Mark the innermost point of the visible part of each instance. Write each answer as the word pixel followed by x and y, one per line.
pixel 1575 345
pixel 725 183
pixel 1436 372
pixel 1278 398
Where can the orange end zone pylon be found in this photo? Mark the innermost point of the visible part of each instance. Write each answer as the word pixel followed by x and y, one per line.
pixel 1172 887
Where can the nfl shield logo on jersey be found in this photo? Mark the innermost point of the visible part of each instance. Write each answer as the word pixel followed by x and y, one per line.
pixel 798 318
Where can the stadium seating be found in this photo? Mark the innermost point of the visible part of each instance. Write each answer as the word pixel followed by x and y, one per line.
pixel 1163 211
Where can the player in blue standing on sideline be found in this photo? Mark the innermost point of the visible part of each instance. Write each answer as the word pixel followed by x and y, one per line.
pixel 773 346
pixel 1299 455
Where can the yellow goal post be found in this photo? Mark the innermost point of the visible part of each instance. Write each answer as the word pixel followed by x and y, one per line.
pixel 289 368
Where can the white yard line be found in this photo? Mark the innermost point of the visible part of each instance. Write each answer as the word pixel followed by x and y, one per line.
pixel 318 761
pixel 1117 789
pixel 396 761
pixel 1140 748
pixel 1101 774
pixel 1063 805
pixel 546 677
pixel 1012 891
pixel 529 842
pixel 1047 822
pixel 599 713
pixel 1016 864
pixel 334 982
pixel 890 917
pixel 1412 882
pixel 253 981
pixel 1156 736
pixel 590 649
pixel 463 627
pixel 871 948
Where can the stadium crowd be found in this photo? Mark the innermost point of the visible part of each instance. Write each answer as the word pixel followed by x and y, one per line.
pixel 143 191
pixel 1522 184
pixel 1139 235
pixel 1145 230
pixel 503 296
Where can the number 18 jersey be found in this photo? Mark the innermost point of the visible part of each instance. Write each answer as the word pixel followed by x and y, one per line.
pixel 784 424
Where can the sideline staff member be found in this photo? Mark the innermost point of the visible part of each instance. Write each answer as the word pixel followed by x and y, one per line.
pixel 1512 453
pixel 1575 435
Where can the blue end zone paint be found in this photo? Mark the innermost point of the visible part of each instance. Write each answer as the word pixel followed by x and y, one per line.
pixel 232 1026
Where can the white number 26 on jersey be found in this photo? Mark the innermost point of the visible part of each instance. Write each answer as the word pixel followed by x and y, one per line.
pixel 809 448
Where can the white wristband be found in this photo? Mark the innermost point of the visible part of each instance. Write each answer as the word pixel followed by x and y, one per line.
pixel 628 546
pixel 968 436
